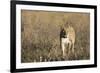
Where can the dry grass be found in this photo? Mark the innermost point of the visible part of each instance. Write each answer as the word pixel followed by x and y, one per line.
pixel 40 35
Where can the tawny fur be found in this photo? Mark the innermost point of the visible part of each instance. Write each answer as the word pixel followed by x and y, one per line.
pixel 69 40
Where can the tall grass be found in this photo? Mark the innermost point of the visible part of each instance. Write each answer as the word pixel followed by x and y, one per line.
pixel 40 35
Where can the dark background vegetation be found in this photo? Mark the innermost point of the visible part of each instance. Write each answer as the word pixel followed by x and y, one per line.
pixel 40 32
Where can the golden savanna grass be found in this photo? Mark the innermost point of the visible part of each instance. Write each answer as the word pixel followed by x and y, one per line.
pixel 40 35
